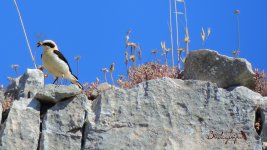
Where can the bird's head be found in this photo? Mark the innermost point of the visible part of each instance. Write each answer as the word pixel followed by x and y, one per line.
pixel 48 44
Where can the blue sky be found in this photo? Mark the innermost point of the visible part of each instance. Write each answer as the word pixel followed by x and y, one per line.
pixel 95 30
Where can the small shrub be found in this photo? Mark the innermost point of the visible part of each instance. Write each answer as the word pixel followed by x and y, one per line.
pixel 91 90
pixel 260 82
pixel 147 72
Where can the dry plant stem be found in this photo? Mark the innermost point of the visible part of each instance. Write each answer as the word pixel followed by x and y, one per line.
pixel 186 26
pixel 16 71
pixel 171 32
pixel 25 34
pixel 105 76
pixel 179 60
pixel 134 63
pixel 111 76
pixel 77 68
pixel 166 59
pixel 238 32
pixel 177 30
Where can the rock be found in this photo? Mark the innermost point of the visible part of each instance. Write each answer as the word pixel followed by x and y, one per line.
pixel 225 71
pixel 21 129
pixel 2 95
pixel 52 93
pixel 1 111
pixel 100 89
pixel 175 114
pixel 103 87
pixel 62 126
pixel 27 85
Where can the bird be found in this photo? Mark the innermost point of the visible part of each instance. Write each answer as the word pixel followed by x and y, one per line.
pixel 55 62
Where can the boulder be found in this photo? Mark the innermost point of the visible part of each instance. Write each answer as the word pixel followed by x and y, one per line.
pixel 52 93
pixel 27 85
pixel 208 65
pixel 175 114
pixel 22 127
pixel 62 126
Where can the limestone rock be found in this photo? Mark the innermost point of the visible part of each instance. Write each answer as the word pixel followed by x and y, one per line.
pixel 174 114
pixel 21 129
pixel 52 93
pixel 62 127
pixel 27 85
pixel 1 110
pixel 103 87
pixel 100 88
pixel 208 65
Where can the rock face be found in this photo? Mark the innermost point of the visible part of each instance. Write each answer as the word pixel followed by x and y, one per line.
pixel 225 71
pixel 158 114
pixel 62 126
pixel 27 85
pixel 21 129
pixel 175 114
pixel 54 93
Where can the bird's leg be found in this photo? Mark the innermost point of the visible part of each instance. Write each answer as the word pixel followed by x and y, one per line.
pixel 55 80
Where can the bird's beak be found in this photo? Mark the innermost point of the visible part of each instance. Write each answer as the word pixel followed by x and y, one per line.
pixel 39 44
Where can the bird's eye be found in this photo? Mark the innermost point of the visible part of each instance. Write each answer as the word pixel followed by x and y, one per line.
pixel 49 44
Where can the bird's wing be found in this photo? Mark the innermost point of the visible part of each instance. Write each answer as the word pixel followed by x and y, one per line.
pixel 60 56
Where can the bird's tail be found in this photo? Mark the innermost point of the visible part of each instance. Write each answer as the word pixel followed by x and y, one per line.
pixel 74 80
pixel 79 85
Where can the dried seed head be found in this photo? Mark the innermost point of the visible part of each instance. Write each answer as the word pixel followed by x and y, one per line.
pixel 154 51
pixel 77 58
pixel 132 58
pixel 14 66
pixel 112 67
pixel 120 82
pixel 236 52
pixel 167 50
pixel 237 12
pixel 126 57
pixel 163 45
pixel 121 77
pixel 97 80
pixel 203 35
pixel 105 70
pixel 86 85
pixel 209 32
pixel 10 79
pixel 181 49
pixel 133 45
pixel 186 39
